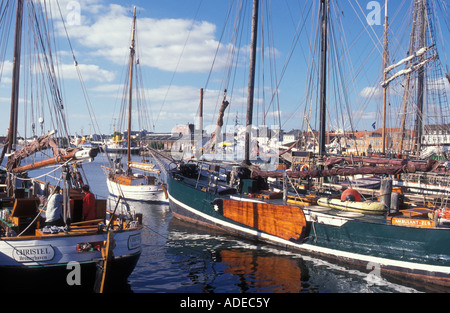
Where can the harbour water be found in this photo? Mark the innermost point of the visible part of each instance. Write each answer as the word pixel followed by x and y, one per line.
pixel 178 257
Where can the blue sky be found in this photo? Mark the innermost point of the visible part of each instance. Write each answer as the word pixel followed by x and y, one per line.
pixel 178 40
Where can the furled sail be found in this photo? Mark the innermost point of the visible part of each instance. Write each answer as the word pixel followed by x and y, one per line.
pixel 406 71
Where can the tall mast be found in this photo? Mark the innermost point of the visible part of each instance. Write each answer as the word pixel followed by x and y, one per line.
pixel 385 61
pixel 421 75
pixel 15 78
pixel 130 92
pixel 408 81
pixel 251 81
pixel 323 76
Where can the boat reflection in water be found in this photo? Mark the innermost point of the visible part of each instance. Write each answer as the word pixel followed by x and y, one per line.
pixel 216 262
pixel 264 272
pixel 180 257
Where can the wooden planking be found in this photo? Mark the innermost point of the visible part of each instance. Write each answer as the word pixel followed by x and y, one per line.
pixel 287 222
pixel 123 180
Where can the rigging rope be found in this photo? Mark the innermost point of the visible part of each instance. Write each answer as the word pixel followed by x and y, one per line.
pixel 83 86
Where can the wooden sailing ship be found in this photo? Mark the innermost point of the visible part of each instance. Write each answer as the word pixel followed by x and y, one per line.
pixel 83 255
pixel 404 243
pixel 146 186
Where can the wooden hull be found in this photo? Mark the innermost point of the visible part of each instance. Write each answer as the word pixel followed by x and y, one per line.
pixel 367 207
pixel 287 222
pixel 415 254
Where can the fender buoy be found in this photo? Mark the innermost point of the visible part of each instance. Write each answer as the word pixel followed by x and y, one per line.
pixel 304 167
pixel 352 195
pixel 443 213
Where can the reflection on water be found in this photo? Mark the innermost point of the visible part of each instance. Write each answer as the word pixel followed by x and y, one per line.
pixel 228 266
pixel 179 257
pixel 264 272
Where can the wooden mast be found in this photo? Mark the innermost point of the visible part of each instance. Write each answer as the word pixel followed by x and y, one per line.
pixel 408 81
pixel 15 78
pixel 421 76
pixel 130 92
pixel 385 60
pixel 323 77
pixel 251 82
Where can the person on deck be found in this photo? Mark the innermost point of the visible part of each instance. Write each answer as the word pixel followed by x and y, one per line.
pixel 88 204
pixel 54 212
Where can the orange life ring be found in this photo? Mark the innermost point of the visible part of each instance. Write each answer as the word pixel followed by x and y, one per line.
pixel 304 167
pixel 351 192
pixel 443 213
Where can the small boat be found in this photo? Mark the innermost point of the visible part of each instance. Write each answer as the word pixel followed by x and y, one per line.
pixel 120 147
pixel 125 183
pixel 138 187
pixel 366 207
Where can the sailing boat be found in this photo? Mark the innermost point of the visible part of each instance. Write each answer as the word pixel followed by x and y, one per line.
pixel 123 183
pixel 83 255
pixel 426 95
pixel 405 244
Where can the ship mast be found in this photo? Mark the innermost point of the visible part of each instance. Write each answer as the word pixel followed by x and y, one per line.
pixel 421 76
pixel 323 76
pixel 408 83
pixel 15 78
pixel 385 62
pixel 416 61
pixel 251 82
pixel 130 90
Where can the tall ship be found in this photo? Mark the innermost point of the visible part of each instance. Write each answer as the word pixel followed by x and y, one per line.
pixel 294 209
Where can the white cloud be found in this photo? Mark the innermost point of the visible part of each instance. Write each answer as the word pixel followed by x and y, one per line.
pixel 108 89
pixel 364 115
pixel 89 72
pixel 166 44
pixel 6 73
pixel 371 92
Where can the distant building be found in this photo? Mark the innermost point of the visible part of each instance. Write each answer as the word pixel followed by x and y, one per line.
pixel 372 141
pixel 436 135
pixel 291 137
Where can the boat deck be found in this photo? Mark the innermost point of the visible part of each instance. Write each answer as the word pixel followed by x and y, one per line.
pixel 411 217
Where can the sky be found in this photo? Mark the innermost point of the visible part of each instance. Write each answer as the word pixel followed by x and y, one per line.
pixel 183 45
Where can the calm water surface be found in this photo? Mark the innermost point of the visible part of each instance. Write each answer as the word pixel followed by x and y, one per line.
pixel 178 257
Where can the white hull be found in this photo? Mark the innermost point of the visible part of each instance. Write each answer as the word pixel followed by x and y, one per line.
pixel 60 249
pixel 150 193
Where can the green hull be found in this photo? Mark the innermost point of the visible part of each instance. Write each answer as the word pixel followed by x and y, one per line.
pixel 369 241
